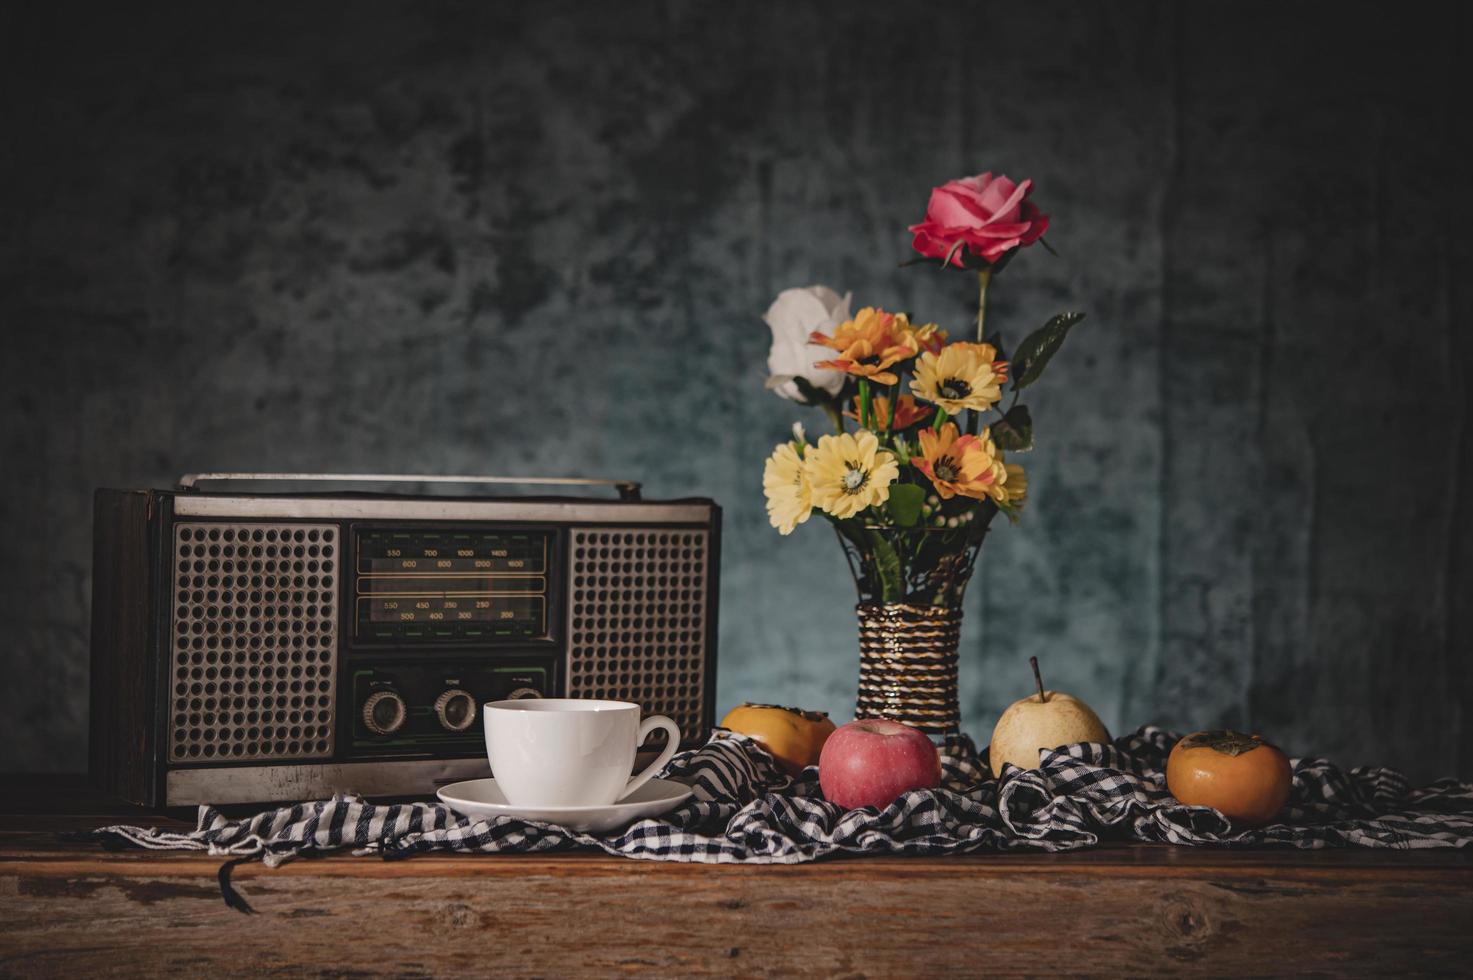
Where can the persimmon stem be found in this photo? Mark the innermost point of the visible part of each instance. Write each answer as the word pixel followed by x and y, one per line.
pixel 1038 679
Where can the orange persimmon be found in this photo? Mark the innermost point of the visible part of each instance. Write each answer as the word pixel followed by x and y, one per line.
pixel 794 737
pixel 1241 776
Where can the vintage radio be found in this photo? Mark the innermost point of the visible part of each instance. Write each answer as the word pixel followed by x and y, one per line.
pixel 286 645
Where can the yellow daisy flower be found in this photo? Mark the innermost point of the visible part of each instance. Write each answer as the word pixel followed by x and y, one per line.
pixel 849 472
pixel 962 376
pixel 956 464
pixel 1011 488
pixel 786 485
pixel 1008 484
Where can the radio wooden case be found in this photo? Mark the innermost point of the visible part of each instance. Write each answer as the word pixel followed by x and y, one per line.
pixel 251 647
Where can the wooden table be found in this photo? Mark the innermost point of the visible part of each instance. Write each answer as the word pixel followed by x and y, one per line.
pixel 76 910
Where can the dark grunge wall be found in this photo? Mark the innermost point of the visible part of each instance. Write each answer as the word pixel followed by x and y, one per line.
pixel 536 239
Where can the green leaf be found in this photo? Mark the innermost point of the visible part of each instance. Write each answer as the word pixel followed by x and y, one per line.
pixel 996 341
pixel 887 566
pixel 1014 432
pixel 905 503
pixel 946 262
pixel 811 395
pixel 1012 512
pixel 851 529
pixel 1004 259
pixel 1039 347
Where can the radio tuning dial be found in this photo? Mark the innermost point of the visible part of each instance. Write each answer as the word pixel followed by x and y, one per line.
pixel 524 692
pixel 384 712
pixel 456 710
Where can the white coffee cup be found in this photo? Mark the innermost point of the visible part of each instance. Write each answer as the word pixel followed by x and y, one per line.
pixel 568 751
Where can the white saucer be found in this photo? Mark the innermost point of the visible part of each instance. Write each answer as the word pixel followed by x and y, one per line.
pixel 481 799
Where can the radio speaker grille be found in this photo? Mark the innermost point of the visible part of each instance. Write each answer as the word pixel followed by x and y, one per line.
pixel 254 641
pixel 637 620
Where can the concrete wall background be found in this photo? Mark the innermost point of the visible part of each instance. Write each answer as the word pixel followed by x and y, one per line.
pixel 538 240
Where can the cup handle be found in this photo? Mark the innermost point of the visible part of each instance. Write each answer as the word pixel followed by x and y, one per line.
pixel 672 742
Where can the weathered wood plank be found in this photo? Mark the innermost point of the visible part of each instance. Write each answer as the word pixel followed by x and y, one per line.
pixel 40 853
pixel 70 908
pixel 766 922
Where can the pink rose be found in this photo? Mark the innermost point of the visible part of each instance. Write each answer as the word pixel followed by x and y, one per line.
pixel 990 216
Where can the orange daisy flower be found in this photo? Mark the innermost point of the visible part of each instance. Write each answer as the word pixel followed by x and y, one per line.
pixel 956 464
pixel 929 337
pixel 870 344
pixel 907 413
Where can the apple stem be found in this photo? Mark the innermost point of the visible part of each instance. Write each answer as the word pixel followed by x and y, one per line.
pixel 1038 679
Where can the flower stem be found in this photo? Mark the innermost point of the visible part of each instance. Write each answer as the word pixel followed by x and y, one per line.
pixel 864 406
pixel 831 409
pixel 940 418
pixel 984 276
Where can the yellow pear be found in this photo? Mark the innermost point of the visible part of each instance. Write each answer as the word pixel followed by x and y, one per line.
pixel 1042 720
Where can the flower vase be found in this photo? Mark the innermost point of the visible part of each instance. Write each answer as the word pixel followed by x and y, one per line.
pixel 911 582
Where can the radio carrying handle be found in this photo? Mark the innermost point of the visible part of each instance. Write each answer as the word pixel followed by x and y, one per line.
pixel 628 489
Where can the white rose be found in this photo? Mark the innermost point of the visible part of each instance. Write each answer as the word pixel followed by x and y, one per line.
pixel 793 316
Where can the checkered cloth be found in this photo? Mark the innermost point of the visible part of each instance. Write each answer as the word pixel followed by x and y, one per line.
pixel 745 809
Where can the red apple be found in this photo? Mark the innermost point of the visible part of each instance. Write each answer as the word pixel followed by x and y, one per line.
pixel 872 761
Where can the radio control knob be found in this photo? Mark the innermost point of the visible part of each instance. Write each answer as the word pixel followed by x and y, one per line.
pixel 456 710
pixel 384 712
pixel 524 692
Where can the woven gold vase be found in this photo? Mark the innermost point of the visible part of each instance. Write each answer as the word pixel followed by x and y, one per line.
pixel 911 582
pixel 908 665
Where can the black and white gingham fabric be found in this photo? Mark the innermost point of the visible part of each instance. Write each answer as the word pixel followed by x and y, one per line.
pixel 745 809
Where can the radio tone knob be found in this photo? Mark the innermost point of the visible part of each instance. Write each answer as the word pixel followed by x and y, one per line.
pixel 524 692
pixel 456 710
pixel 384 712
